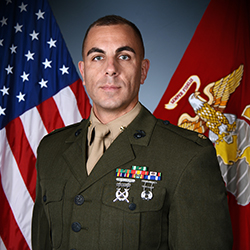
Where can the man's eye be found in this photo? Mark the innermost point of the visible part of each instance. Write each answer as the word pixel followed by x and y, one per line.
pixel 124 57
pixel 98 58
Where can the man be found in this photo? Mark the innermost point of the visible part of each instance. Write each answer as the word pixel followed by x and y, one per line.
pixel 156 186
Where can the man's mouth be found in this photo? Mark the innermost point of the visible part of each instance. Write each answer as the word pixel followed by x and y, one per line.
pixel 110 87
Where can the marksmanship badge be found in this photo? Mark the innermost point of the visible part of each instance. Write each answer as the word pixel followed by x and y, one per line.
pixel 147 193
pixel 148 179
pixel 122 189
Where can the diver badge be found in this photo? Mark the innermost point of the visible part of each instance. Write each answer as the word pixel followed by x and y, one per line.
pixel 122 189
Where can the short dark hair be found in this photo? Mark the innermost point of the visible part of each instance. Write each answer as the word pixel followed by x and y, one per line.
pixel 114 20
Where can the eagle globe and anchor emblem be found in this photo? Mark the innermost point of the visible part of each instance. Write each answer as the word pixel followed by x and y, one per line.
pixel 230 134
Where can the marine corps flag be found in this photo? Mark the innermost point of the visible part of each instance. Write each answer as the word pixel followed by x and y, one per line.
pixel 210 93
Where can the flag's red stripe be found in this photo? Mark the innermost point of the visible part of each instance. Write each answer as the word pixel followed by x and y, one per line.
pixel 81 98
pixel 240 223
pixel 23 154
pixel 9 231
pixel 50 115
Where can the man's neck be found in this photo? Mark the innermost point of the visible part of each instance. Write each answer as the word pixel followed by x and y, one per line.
pixel 106 116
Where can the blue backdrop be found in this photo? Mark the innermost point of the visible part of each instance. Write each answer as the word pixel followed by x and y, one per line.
pixel 167 27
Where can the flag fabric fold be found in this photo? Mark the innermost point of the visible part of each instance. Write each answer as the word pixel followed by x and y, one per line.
pixel 40 90
pixel 209 93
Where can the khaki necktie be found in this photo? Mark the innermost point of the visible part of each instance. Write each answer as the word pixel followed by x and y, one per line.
pixel 98 147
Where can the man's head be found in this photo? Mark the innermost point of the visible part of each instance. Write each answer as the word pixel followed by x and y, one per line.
pixel 113 67
pixel 114 20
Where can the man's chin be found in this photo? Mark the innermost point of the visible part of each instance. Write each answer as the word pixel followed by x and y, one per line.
pixel 109 105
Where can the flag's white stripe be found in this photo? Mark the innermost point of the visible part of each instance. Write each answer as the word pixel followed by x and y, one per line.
pixel 231 180
pixel 67 106
pixel 242 192
pixel 2 246
pixel 242 139
pixel 225 175
pixel 14 188
pixel 33 127
pixel 243 171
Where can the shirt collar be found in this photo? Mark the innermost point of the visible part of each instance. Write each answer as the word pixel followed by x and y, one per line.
pixel 116 126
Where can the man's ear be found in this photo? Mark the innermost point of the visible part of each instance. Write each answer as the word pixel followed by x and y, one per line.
pixel 81 69
pixel 144 69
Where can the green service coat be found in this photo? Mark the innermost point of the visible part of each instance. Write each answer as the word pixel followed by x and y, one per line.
pixel 188 209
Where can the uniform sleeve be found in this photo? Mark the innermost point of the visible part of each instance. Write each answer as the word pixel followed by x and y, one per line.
pixel 199 216
pixel 40 225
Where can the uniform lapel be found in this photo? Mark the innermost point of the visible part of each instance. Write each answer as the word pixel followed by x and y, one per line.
pixel 119 153
pixel 121 150
pixel 75 155
pixel 112 159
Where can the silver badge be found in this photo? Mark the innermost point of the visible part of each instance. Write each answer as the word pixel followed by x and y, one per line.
pixel 122 189
pixel 147 193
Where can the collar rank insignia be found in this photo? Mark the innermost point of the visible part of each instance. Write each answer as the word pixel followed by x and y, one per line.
pixel 122 189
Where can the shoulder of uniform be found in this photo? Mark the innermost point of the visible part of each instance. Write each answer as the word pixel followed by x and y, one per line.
pixel 69 127
pixel 196 137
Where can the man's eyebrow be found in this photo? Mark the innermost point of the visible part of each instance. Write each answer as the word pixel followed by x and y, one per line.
pixel 94 49
pixel 125 48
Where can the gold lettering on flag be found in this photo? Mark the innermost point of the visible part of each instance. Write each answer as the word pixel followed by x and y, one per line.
pixel 182 92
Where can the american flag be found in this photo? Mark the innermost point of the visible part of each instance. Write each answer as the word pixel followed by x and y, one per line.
pixel 40 91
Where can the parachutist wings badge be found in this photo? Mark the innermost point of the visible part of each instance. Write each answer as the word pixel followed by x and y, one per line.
pixel 209 114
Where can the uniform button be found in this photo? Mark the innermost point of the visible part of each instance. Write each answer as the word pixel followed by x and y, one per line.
pixel 166 122
pixel 139 134
pixel 76 227
pixel 79 200
pixel 132 206
pixel 78 132
pixel 44 198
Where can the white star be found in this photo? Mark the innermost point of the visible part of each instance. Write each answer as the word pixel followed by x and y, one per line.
pixel 30 56
pixel 9 70
pixel 23 7
pixel 8 1
pixel 1 42
pixel 20 97
pixel 4 21
pixel 47 64
pixel 43 83
pixel 25 76
pixel 34 35
pixel 40 14
pixel 18 28
pixel 2 111
pixel 64 70
pixel 52 43
pixel 5 90
pixel 13 49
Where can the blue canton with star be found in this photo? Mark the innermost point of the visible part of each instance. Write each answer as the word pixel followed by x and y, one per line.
pixel 35 63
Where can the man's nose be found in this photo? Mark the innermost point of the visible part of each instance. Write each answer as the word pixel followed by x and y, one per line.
pixel 111 67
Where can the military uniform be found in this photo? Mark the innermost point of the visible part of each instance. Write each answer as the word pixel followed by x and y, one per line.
pixel 187 210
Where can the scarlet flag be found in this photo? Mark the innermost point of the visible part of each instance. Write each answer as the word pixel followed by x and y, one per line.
pixel 40 91
pixel 209 93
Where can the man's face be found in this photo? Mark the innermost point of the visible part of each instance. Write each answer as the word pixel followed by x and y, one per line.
pixel 113 68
